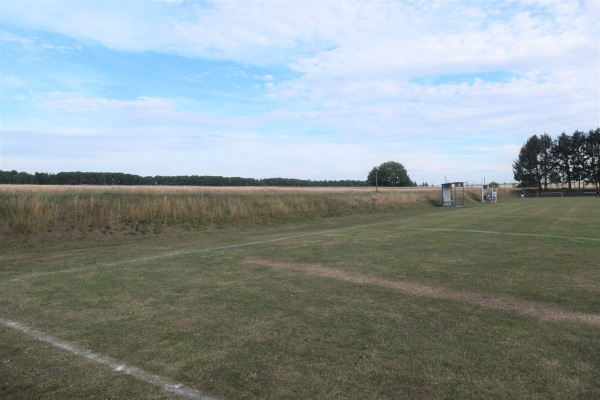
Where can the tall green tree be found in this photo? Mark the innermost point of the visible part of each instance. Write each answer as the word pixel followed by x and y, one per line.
pixel 526 168
pixel 390 173
pixel 592 151
pixel 562 152
pixel 568 159
pixel 545 159
pixel 579 159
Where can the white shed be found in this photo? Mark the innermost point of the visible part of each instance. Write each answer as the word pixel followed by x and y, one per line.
pixel 453 194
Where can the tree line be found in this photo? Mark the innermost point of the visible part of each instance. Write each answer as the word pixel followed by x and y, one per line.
pixel 117 178
pixel 568 159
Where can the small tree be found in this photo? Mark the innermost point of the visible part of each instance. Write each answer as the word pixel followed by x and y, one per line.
pixel 390 173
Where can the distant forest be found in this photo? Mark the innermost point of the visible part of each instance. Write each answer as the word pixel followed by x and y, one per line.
pixel 117 178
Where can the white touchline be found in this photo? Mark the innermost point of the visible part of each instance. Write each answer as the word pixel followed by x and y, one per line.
pixel 144 376
pixel 276 239
pixel 190 251
pixel 541 235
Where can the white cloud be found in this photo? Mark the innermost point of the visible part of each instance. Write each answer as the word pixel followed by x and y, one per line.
pixel 80 103
pixel 337 39
pixel 355 71
pixel 13 81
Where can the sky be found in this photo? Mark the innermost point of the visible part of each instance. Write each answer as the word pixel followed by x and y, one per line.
pixel 319 90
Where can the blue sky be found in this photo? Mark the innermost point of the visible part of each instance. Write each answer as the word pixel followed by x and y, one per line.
pixel 321 90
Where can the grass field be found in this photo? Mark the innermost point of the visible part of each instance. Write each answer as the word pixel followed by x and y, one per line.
pixel 489 301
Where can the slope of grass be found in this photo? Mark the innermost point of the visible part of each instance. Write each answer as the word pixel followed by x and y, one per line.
pixel 50 211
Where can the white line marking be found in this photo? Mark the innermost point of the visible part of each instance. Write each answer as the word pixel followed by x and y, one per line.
pixel 10 281
pixel 192 251
pixel 279 239
pixel 542 235
pixel 144 376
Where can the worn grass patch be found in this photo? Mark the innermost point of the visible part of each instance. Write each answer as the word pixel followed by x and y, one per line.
pixel 189 307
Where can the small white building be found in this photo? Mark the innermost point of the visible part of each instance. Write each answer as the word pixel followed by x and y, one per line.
pixel 453 194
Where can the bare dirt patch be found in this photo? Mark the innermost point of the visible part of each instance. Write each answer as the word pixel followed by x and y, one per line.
pixel 523 307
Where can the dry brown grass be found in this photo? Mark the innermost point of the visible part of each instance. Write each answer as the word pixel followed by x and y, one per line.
pixel 57 210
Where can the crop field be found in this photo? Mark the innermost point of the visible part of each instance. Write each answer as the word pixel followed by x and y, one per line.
pixel 294 294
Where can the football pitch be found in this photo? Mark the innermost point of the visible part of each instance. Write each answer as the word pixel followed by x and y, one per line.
pixel 489 301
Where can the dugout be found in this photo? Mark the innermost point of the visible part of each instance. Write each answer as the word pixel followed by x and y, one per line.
pixel 453 194
pixel 489 194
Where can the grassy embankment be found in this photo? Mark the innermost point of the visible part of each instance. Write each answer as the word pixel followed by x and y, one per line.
pixel 76 210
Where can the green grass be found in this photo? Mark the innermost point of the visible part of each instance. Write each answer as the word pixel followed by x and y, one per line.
pixel 189 306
